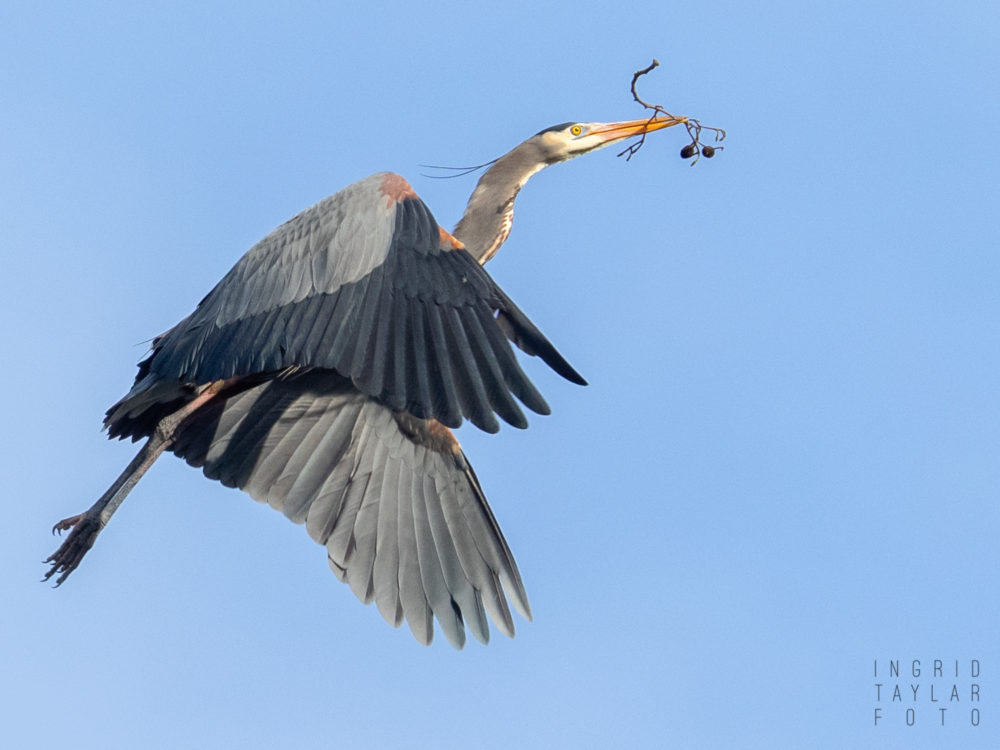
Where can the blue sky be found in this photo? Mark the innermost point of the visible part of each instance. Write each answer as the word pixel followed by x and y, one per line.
pixel 787 463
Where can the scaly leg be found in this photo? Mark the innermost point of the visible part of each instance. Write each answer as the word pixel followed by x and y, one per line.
pixel 87 525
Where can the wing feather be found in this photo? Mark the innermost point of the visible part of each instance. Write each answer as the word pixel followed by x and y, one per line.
pixel 301 329
pixel 379 367
pixel 266 468
pixel 471 392
pixel 299 442
pixel 333 434
pixel 360 563
pixel 359 364
pixel 350 285
pixel 340 545
pixel 325 509
pixel 400 374
pixel 210 429
pixel 514 376
pixel 491 544
pixel 492 374
pixel 412 596
pixel 401 515
pixel 432 577
pixel 491 587
pixel 446 398
pixel 230 460
pixel 344 317
pixel 462 593
pixel 421 386
pixel 386 569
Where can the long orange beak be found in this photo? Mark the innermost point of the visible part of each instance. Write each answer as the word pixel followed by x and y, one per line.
pixel 616 131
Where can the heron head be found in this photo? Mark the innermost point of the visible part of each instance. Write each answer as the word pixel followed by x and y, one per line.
pixel 487 220
pixel 569 139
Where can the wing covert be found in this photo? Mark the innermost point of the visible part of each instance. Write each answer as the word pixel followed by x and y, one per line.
pixel 366 283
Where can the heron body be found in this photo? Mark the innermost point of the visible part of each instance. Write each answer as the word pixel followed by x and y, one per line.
pixel 321 375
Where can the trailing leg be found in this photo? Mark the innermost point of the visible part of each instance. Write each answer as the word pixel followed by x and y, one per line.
pixel 87 525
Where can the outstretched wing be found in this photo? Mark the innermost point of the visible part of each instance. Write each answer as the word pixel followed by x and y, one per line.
pixel 367 284
pixel 392 498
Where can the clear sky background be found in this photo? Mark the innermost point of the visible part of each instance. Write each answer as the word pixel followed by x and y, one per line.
pixel 787 464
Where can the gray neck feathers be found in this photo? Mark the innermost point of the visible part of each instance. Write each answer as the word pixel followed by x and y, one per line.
pixel 490 212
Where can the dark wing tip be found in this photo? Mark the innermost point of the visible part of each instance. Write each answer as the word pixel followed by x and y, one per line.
pixel 569 373
pixel 519 329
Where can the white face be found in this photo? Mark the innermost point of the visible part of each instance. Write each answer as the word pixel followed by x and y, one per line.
pixel 577 138
pixel 574 138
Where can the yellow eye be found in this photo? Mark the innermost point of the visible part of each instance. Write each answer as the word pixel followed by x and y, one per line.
pixel 576 130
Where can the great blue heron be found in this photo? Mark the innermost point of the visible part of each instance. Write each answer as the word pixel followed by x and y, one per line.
pixel 321 376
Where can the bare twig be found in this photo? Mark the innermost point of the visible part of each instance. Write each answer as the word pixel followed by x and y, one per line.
pixel 635 80
pixel 694 127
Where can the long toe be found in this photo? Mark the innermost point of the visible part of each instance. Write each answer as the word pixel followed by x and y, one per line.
pixel 66 559
pixel 68 523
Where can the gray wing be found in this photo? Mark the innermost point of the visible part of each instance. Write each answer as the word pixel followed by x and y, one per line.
pixel 392 498
pixel 367 284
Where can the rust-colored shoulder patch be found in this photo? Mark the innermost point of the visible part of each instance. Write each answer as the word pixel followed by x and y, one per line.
pixel 395 188
pixel 427 432
pixel 450 241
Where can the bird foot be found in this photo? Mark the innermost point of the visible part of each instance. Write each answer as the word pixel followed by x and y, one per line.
pixel 85 528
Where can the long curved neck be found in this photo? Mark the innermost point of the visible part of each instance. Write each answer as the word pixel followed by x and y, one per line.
pixel 488 216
